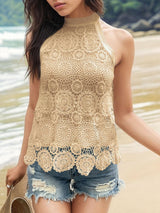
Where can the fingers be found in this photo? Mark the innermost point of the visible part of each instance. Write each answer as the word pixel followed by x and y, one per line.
pixel 9 181
pixel 13 176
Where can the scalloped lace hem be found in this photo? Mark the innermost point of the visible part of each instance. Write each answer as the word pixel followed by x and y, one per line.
pixel 66 159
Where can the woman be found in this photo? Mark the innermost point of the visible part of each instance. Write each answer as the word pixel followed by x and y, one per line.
pixel 80 69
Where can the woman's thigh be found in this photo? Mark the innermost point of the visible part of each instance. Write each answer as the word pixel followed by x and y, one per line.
pixel 90 205
pixel 52 206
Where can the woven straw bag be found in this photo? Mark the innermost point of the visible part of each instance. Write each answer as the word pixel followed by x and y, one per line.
pixel 16 201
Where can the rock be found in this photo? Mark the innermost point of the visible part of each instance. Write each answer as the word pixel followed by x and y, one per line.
pixel 155 19
pixel 117 24
pixel 152 32
pixel 157 26
pixel 147 33
pixel 126 18
pixel 138 34
pixel 141 25
pixel 126 26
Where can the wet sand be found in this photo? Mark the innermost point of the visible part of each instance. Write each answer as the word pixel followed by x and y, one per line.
pixel 139 167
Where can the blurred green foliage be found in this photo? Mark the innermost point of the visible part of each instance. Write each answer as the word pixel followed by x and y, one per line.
pixel 12 11
pixel 135 8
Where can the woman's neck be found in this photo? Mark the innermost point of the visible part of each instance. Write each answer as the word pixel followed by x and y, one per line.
pixel 93 18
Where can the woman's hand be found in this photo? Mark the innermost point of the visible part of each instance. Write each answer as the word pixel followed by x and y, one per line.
pixel 14 175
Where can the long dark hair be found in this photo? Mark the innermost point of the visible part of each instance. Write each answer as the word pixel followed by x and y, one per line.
pixel 42 21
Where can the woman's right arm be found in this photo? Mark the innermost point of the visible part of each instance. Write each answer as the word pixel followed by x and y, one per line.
pixel 33 97
pixel 15 174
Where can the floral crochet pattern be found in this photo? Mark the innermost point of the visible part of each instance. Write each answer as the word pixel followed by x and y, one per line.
pixel 74 120
pixel 63 161
pixel 85 164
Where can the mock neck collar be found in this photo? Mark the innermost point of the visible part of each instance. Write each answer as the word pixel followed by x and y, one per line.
pixel 82 20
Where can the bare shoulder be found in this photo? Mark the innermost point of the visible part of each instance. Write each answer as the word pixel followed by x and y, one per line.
pixel 117 34
pixel 121 41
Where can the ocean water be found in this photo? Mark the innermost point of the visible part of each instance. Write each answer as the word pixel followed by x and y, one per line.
pixel 13 93
pixel 11 42
pixel 14 88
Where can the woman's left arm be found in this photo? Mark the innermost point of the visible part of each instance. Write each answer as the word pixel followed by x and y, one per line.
pixel 125 117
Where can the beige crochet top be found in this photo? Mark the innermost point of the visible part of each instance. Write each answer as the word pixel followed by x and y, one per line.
pixel 74 121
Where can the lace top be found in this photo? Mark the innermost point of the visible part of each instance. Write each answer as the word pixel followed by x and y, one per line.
pixel 74 121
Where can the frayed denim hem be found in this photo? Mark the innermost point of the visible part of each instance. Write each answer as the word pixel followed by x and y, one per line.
pixel 115 191
pixel 120 184
pixel 47 197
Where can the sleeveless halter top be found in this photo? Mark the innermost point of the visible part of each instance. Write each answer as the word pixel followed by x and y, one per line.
pixel 74 121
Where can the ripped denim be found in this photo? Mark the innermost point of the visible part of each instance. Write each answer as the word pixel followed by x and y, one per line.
pixel 66 185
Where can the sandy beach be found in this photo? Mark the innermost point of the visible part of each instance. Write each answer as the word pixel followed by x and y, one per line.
pixel 139 167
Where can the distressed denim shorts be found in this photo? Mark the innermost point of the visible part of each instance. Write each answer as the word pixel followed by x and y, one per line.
pixel 66 185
